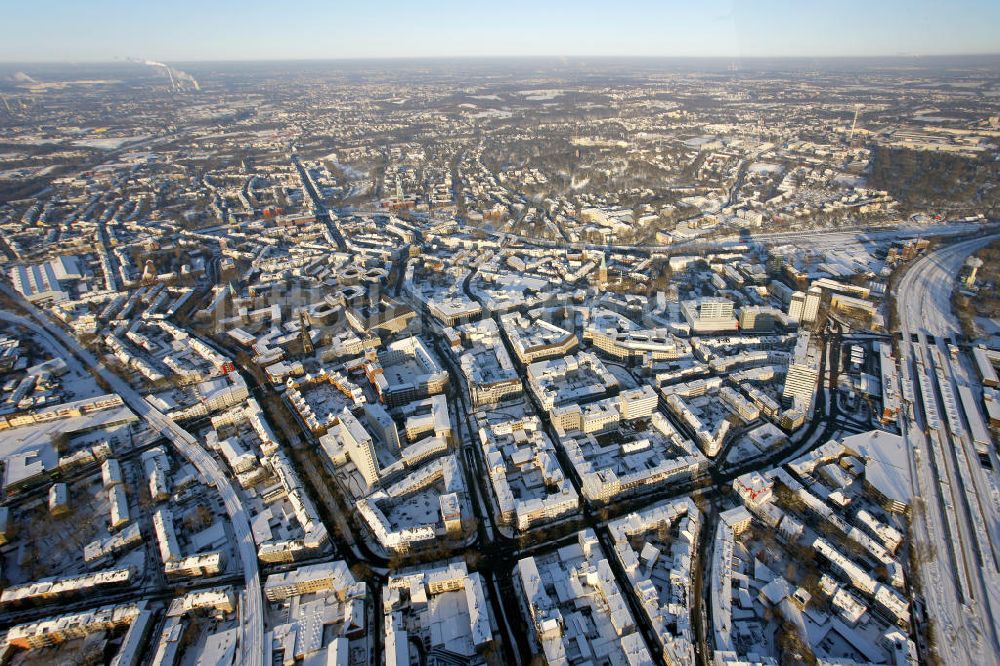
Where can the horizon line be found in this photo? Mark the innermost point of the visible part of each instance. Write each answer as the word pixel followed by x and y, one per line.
pixel 841 57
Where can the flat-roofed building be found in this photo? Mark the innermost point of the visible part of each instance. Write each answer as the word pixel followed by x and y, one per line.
pixel 760 318
pixel 810 306
pixel 406 371
pixel 803 374
pixel 488 369
pixel 452 310
pixel 710 315
pixel 536 340
pixel 58 499
pixel 306 579
pixel 348 437
pixel 43 282
pixel 985 363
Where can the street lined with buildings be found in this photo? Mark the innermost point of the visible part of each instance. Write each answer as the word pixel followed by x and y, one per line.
pixel 396 364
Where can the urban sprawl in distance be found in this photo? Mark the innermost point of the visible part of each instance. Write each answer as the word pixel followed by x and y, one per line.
pixel 612 362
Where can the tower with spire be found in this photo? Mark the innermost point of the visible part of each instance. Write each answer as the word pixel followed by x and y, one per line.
pixel 307 345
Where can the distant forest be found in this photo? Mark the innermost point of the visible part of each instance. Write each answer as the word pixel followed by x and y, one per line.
pixel 925 179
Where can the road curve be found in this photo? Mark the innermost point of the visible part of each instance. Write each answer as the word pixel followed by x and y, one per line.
pixel 252 615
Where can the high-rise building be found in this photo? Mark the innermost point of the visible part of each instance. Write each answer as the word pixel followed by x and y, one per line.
pixel 358 445
pixel 810 308
pixel 796 306
pixel 708 315
pixel 715 308
pixel 385 427
pixel 803 374
pixel 758 318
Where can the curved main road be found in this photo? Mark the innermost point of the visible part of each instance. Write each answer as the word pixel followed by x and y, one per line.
pixel 252 615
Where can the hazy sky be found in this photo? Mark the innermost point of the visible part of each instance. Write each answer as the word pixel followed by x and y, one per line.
pixel 174 30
